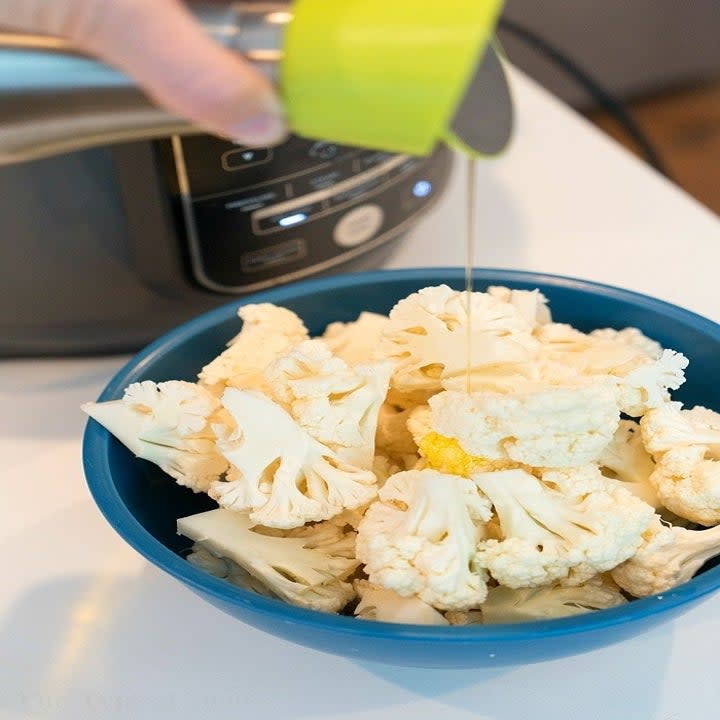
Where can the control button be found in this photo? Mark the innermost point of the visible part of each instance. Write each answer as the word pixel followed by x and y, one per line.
pixel 290 218
pixel 358 225
pixel 323 151
pixel 241 158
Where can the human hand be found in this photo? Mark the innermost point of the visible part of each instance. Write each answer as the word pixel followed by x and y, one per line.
pixel 161 46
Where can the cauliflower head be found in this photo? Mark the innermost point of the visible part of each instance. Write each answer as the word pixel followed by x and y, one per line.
pixel 167 423
pixel 667 557
pixel 295 569
pixel 556 427
pixel 419 539
pixel 336 404
pixel 355 342
pixel 268 331
pixel 558 530
pixel 427 337
pixel 279 473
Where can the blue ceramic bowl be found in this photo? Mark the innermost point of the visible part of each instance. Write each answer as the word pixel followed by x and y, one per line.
pixel 142 504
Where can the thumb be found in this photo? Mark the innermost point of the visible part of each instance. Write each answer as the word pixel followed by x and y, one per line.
pixel 169 55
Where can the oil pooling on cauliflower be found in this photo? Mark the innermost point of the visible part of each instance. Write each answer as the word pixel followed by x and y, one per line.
pixel 556 427
pixel 278 472
pixel 419 539
pixel 167 423
pixel 567 525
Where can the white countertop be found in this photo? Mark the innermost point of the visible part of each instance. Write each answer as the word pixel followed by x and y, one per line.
pixel 88 630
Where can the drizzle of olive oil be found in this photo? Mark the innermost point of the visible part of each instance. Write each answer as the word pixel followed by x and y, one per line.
pixel 470 233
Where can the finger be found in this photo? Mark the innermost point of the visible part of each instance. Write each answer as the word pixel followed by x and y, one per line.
pixel 162 47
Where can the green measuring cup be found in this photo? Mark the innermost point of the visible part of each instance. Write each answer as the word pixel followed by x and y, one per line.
pixel 397 75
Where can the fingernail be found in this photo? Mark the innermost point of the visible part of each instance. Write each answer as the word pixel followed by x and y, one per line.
pixel 263 129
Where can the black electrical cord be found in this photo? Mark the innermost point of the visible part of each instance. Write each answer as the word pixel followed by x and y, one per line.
pixel 605 99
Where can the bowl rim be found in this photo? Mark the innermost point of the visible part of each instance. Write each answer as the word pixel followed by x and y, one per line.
pixel 98 474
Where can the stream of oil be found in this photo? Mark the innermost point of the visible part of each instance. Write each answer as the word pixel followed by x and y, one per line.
pixel 471 231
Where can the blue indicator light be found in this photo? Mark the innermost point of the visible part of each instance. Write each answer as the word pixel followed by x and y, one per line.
pixel 422 188
pixel 292 219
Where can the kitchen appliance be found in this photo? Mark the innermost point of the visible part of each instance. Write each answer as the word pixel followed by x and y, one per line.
pixel 119 220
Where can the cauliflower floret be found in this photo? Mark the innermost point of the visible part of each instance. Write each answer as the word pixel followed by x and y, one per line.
pixel 505 605
pixel 557 427
pixel 669 426
pixel 226 569
pixel 167 423
pixel 278 472
pixel 268 331
pixel 686 447
pixel 547 534
pixel 427 336
pixel 668 556
pixel 531 304
pixel 626 459
pixel 648 385
pixel 336 404
pixel 290 567
pixel 420 539
pixel 687 481
pixel 642 380
pixel 355 342
pixel 377 603
pixel 632 337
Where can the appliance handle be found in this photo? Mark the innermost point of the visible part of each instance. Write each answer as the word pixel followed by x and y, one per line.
pixel 54 99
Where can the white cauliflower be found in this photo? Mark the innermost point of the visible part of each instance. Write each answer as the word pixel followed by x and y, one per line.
pixel 668 557
pixel 643 381
pixel 626 459
pixel 167 423
pixel 419 539
pixel 573 532
pixel 505 605
pixel 687 481
pixel 686 447
pixel 378 603
pixel 355 342
pixel 336 404
pixel 648 385
pixel 290 567
pixel 226 569
pixel 556 427
pixel 531 304
pixel 427 336
pixel 632 337
pixel 280 474
pixel 669 426
pixel 268 331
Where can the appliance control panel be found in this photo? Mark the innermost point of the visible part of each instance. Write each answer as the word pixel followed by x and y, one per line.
pixel 255 217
